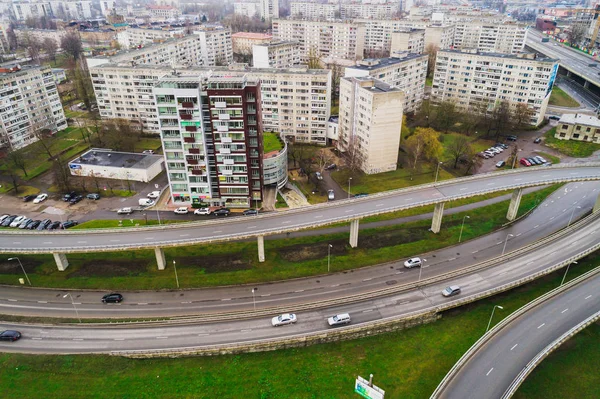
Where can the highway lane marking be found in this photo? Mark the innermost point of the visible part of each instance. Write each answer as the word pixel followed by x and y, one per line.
pixel 46 242
pixel 564 311
pixel 545 175
pixel 266 295
pixel 77 339
pixel 488 373
pixel 203 335
pixel 118 339
pixel 462 189
pixel 17 242
pixel 552 218
pixel 564 210
pixel 183 235
pixel 286 222
pixel 142 303
pixel 226 299
pixel 367 310
pixel 12 300
pixel 498 243
pixel 379 204
pixel 349 210
pixel 518 234
pixel 335 285
pixel 490 184
pixel 403 303
pixel 541 325
pixel 252 227
pixel 114 240
pixel 399 272
pixel 529 263
pixel 368 279
pixel 299 291
pixel 318 216
pixel 246 330
pixel 474 252
pixel 514 346
pixel 162 337
pixel 451 259
pixel 407 199
pixel 36 339
pixel 536 226
pixel 588 297
pixel 148 238
pixel 42 301
pixel 218 231
pixel 186 302
pixel 81 242
pixel 518 179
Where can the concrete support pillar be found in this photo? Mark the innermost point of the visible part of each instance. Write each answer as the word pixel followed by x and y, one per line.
pixel 568 74
pixel 61 261
pixel 160 258
pixel 354 233
pixel 597 205
pixel 515 201
pixel 586 85
pixel 438 213
pixel 261 248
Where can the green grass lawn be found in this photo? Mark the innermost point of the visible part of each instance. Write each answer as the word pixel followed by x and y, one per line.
pixel 237 263
pixel 406 364
pixel 560 98
pixel 271 142
pixel 280 202
pixel 549 157
pixel 573 148
pixel 429 82
pixel 148 143
pixel 477 144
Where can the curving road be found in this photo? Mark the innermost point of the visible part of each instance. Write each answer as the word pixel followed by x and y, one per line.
pixel 15 242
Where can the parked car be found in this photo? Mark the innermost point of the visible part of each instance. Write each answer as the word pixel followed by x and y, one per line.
pixel 511 138
pixel 67 197
pixel 361 195
pixel 93 196
pixel 24 223
pixel 451 291
pixel 541 159
pixel 330 167
pixel 182 210
pixel 500 164
pixel 533 161
pixel 10 335
pixel 413 262
pixel 495 150
pixel 40 198
pixel 112 298
pixel 537 140
pixel 202 211
pixel 69 223
pixel 125 211
pixel 222 212
pixel 54 225
pixel 330 195
pixel 501 145
pixel 145 202
pixel 250 212
pixel 490 153
pixel 17 221
pixel 3 217
pixel 339 319
pixel 154 194
pixel 319 176
pixel 8 220
pixel 483 155
pixel 556 117
pixel 524 162
pixel 281 320
pixel 28 198
pixel 75 199
pixel 33 224
pixel 43 224
pixel 148 152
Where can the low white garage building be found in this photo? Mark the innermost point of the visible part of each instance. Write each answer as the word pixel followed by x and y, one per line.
pixel 110 164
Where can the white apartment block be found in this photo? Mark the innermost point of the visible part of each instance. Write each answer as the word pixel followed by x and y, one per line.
pixel 244 41
pixel 408 39
pixel 163 13
pixel 25 9
pixel 406 72
pixel 490 37
pixel 579 127
pixel 107 7
pixel 133 37
pixel 69 10
pixel 314 11
pixel 276 55
pixel 370 122
pixel 473 80
pixel 216 47
pixel 269 9
pixel 295 102
pixel 249 9
pixel 368 10
pixel 29 102
pixel 439 36
pixel 336 40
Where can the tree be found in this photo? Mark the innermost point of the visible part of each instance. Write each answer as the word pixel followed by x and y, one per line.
pixel 459 148
pixel 502 118
pixel 473 161
pixel 84 87
pixel 50 47
pixel 44 137
pixel 33 47
pixel 61 173
pixel 431 50
pixel 423 144
pixel 120 135
pixel 576 34
pixel 71 44
pixel 353 156
pixel 522 115
pixel 446 115
pixel 425 112
pixel 314 62
pixel 18 160
pixel 324 158
pixel 11 37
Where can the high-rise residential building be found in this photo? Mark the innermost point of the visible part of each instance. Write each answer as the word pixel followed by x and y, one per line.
pixel 370 123
pixel 490 37
pixel 323 39
pixel 212 139
pixel 163 13
pixel 480 81
pixel 406 72
pixel 134 37
pixel 249 9
pixel 269 9
pixel 71 9
pixel 25 9
pixel 368 10
pixel 243 41
pixel 29 103
pixel 107 7
pixel 216 46
pixel 314 11
pixel 276 55
pixel 408 39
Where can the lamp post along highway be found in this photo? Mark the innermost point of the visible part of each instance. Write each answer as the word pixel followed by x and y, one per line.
pixel 176 278
pixel 349 180
pixel 421 268
pixel 254 298
pixel 73 303
pixel 490 322
pixel 329 246
pixel 22 268
pixel 567 271
pixel 505 241
pixel 572 213
pixel 462 227
pixel 437 171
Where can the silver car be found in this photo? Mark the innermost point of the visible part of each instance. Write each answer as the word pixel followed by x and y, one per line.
pixel 451 291
pixel 413 262
pixel 281 320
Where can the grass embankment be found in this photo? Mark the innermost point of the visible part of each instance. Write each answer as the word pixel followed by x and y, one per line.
pixel 549 157
pixel 237 263
pixel 572 148
pixel 280 203
pixel 560 98
pixel 406 364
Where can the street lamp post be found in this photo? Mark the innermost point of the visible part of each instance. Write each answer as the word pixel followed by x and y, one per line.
pixel 566 271
pixel 254 298
pixel 572 212
pixel 176 278
pixel 329 246
pixel 490 322
pixel 437 171
pixel 73 302
pixel 462 227
pixel 505 241
pixel 22 268
pixel 158 216
pixel 421 268
pixel 349 180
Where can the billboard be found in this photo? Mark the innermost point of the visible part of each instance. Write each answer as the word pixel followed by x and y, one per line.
pixel 361 387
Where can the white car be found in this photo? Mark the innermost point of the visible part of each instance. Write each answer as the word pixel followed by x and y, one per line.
pixel 154 194
pixel 40 198
pixel 286 318
pixel 126 211
pixel 182 210
pixel 319 176
pixel 413 262
pixel 18 220
pixel 202 211
pixel 339 319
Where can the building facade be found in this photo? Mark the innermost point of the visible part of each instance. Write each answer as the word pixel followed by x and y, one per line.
pixel 490 37
pixel 579 127
pixel 314 11
pixel 243 41
pixel 275 167
pixel 477 81
pixel 276 55
pixel 370 123
pixel 408 39
pixel 134 37
pixel 163 13
pixel 109 164
pixel 249 9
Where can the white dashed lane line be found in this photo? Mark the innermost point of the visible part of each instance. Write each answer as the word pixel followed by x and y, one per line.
pixel 514 346
pixel 588 297
pixel 488 373
pixel 541 325
pixel 564 311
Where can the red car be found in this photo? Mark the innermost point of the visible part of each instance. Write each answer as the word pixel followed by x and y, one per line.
pixel 525 162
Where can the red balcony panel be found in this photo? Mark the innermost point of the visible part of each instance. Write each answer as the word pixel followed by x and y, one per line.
pixel 187 105
pixel 193 161
pixel 189 140
pixel 191 129
pixel 194 150
pixel 196 172
pixel 186 117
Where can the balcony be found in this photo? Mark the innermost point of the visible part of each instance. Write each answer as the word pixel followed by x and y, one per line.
pixel 192 162
pixel 189 139
pixel 197 172
pixel 187 105
pixel 186 117
pixel 191 129
pixel 225 151
pixel 226 140
pixel 194 150
pixel 220 104
pixel 224 117
pixel 222 128
pixel 228 162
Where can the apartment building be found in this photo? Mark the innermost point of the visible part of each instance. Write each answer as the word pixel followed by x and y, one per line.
pixel 474 80
pixel 404 71
pixel 408 39
pixel 337 40
pixel 69 10
pixel 370 123
pixel 40 34
pixel 107 7
pixel 216 46
pixel 269 9
pixel 212 139
pixel 29 103
pixel 314 11
pixel 579 127
pixel 490 37
pixel 249 9
pixel 243 41
pixel 133 37
pixel 25 9
pixel 276 55
pixel 164 13
pixel 368 10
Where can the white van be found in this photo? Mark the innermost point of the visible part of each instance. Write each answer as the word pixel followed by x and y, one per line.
pixel 339 319
pixel 145 202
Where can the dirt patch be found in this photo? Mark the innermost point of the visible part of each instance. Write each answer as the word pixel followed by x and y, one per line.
pixel 110 268
pixel 216 264
pixel 13 267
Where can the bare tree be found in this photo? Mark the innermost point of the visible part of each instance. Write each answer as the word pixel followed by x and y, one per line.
pixel 446 115
pixel 84 87
pixel 324 158
pixel 50 47
pixel 33 47
pixel 502 118
pixel 71 44
pixel 522 115
pixel 353 156
pixel 11 37
pixel 431 50
pixel 458 148
pixel 45 139
pixel 18 160
pixel 314 61
pixel 61 174
pixel 576 34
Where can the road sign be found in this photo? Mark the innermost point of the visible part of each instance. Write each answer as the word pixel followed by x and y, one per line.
pixel 363 388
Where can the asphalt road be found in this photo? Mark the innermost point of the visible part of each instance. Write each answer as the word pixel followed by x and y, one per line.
pixel 493 368
pixel 85 339
pixel 14 242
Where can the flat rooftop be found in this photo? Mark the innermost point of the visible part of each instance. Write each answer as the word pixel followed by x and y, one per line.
pixel 115 159
pixel 580 119
pixel 369 64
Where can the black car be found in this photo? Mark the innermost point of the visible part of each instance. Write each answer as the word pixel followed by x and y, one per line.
pixel 93 196
pixel 554 117
pixel 10 335
pixel 33 225
pixel 8 220
pixel 43 224
pixel 69 223
pixel 250 212
pixel 28 198
pixel 330 167
pixel 53 225
pixel 112 298
pixel 221 212
pixel 511 138
pixel 75 199
pixel 67 197
pixel 537 140
pixel 361 195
